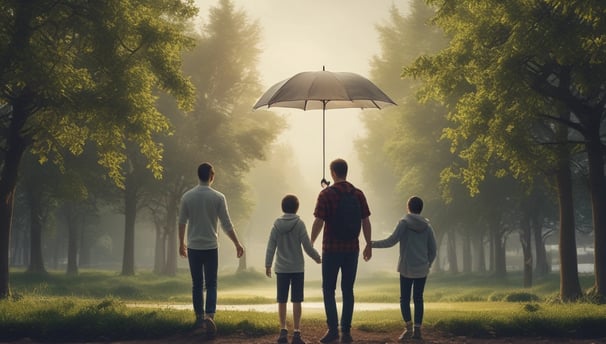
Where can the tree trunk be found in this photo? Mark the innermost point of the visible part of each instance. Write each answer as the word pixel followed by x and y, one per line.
pixel 480 259
pixel 542 266
pixel 597 187
pixel 72 240
pixel 172 249
pixel 498 246
pixel 570 288
pixel 15 147
pixel 525 241
pixel 36 261
pixel 160 252
pixel 130 215
pixel 451 251
pixel 467 258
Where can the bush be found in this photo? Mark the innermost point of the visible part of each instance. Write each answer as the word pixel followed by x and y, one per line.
pixel 520 296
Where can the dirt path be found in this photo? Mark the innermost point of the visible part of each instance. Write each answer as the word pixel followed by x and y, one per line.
pixel 311 335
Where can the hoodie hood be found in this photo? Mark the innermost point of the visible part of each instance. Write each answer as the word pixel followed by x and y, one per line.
pixel 416 222
pixel 286 223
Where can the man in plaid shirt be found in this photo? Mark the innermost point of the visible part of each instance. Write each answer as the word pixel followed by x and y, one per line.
pixel 339 254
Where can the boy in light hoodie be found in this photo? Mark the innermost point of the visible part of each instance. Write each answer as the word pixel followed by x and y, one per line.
pixel 417 253
pixel 287 236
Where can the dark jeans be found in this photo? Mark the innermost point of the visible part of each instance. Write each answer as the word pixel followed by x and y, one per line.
pixel 203 265
pixel 332 262
pixel 417 285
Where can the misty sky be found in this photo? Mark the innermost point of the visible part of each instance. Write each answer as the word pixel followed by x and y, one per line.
pixel 304 35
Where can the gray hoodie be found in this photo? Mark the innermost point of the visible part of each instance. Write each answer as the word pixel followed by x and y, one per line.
pixel 287 236
pixel 417 245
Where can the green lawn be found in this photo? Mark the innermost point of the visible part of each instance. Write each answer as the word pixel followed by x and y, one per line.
pixel 95 303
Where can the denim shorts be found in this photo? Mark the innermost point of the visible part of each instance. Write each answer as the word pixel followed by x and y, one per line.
pixel 293 280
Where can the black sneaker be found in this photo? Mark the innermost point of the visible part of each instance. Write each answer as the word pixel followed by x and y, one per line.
pixel 211 327
pixel 346 337
pixel 296 338
pixel 283 338
pixel 330 337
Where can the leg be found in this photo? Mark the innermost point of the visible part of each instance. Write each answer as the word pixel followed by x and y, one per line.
pixel 405 287
pixel 296 298
pixel 211 266
pixel 282 285
pixel 349 267
pixel 282 314
pixel 296 315
pixel 330 270
pixel 417 297
pixel 195 268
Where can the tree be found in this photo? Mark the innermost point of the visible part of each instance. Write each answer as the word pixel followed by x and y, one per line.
pixel 220 129
pixel 514 75
pixel 75 72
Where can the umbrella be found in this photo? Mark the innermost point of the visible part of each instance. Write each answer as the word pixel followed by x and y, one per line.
pixel 324 90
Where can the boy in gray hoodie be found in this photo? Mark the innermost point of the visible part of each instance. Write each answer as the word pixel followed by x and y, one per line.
pixel 287 237
pixel 417 253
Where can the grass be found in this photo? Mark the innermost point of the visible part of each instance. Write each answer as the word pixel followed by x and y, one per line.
pixel 94 305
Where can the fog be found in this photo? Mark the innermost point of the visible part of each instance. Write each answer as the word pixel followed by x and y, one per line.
pixel 306 36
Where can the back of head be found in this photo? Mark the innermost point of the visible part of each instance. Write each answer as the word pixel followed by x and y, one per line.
pixel 415 205
pixel 205 171
pixel 290 204
pixel 339 167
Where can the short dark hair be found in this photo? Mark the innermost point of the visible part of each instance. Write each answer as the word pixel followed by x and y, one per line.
pixel 205 171
pixel 290 204
pixel 415 205
pixel 339 167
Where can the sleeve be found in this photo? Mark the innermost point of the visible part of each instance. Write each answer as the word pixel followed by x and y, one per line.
pixel 393 239
pixel 321 210
pixel 365 209
pixel 271 248
pixel 306 242
pixel 183 215
pixel 223 215
pixel 431 247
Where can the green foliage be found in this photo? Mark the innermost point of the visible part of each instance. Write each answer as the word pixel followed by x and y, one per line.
pixel 520 296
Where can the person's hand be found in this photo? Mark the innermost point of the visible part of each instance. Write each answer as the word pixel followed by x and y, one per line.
pixel 239 250
pixel 367 252
pixel 268 272
pixel 319 260
pixel 183 250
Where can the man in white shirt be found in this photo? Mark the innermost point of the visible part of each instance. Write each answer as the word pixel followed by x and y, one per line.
pixel 202 207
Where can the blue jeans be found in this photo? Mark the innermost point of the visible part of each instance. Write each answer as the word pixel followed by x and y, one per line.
pixel 203 266
pixel 332 262
pixel 417 285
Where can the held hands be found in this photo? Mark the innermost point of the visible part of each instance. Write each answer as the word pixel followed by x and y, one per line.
pixel 367 252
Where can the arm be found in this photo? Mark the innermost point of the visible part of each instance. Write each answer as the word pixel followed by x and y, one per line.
pixel 367 230
pixel 182 246
pixel 316 228
pixel 234 238
pixel 270 252
pixel 431 247
pixel 393 239
pixel 309 247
